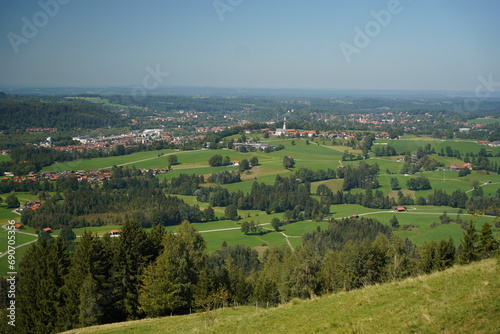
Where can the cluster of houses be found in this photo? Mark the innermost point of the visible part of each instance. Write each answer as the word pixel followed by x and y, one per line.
pixel 41 130
pixel 487 143
pixel 92 175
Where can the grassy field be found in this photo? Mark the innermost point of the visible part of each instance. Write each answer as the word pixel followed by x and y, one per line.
pixel 484 120
pixel 409 143
pixel 462 299
pixel 313 156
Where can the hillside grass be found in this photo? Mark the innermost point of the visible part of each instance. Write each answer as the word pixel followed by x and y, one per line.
pixel 462 299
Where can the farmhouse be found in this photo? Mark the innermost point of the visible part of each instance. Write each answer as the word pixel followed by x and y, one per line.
pixel 47 230
pixel 115 233
pixel 400 209
pixel 495 144
pixel 460 167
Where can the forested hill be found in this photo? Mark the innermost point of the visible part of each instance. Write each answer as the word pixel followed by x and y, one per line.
pixel 463 299
pixel 21 115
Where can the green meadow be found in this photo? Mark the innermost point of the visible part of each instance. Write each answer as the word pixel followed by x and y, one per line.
pixel 484 120
pixel 409 143
pixel 313 156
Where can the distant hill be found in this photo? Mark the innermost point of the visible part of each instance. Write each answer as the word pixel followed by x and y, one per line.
pixel 21 115
pixel 463 299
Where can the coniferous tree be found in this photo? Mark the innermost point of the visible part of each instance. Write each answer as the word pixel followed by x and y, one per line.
pixel 445 254
pixel 155 242
pixel 231 212
pixel 487 243
pixel 41 276
pixel 90 312
pixel 468 249
pixel 92 260
pixel 394 222
pixel 209 214
pixel 394 184
pixel 129 258
pixel 169 284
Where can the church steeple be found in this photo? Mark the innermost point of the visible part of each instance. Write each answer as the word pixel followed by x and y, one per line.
pixel 284 124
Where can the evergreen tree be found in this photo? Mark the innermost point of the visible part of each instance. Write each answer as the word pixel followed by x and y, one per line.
pixel 231 212
pixel 487 243
pixel 129 258
pixel 468 249
pixel 92 260
pixel 169 284
pixel 90 312
pixel 394 184
pixel 445 254
pixel 209 214
pixel 155 242
pixel 394 222
pixel 41 276
pixel 68 236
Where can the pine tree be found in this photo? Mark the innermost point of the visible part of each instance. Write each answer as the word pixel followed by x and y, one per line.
pixel 394 222
pixel 130 257
pixel 155 242
pixel 209 214
pixel 445 254
pixel 41 276
pixel 80 267
pixel 169 284
pixel 90 312
pixel 468 249
pixel 487 243
pixel 231 212
pixel 394 184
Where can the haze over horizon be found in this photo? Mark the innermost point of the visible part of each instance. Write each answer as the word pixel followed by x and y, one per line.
pixel 403 45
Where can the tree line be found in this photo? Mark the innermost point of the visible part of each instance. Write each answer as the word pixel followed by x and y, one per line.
pixel 161 273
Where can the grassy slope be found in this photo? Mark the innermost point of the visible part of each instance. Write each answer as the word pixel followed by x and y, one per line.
pixel 463 299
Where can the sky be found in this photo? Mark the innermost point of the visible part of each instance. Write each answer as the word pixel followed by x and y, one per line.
pixel 318 44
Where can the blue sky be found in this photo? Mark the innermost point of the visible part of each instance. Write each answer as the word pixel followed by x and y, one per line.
pixel 436 45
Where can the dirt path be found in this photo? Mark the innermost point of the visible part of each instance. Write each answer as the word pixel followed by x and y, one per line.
pixel 161 156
